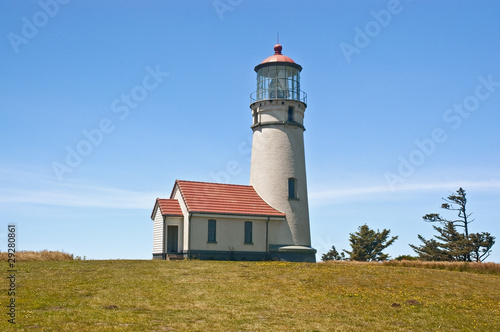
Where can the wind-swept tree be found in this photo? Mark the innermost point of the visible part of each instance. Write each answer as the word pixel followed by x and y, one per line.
pixel 454 245
pixel 367 245
pixel 455 202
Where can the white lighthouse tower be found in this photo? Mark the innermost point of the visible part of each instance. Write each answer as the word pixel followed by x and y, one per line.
pixel 278 171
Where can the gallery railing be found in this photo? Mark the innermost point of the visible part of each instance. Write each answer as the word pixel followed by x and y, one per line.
pixel 265 94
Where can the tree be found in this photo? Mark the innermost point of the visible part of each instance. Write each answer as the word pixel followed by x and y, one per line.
pixel 453 245
pixel 481 244
pixel 430 250
pixel 367 245
pixel 454 202
pixel 333 255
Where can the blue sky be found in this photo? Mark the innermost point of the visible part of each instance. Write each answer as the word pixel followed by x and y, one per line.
pixel 403 108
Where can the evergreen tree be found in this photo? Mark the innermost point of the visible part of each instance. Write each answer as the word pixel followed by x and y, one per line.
pixel 367 245
pixel 333 255
pixel 453 245
pixel 481 244
pixel 431 250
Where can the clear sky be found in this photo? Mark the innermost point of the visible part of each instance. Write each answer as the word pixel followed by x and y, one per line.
pixel 104 104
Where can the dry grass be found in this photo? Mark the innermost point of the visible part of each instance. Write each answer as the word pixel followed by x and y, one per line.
pixel 488 268
pixel 44 255
pixel 482 268
pixel 121 295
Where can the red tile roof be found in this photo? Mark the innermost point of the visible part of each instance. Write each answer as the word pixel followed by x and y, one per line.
pixel 221 198
pixel 168 207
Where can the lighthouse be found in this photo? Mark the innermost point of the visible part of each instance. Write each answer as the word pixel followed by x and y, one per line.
pixel 265 220
pixel 278 168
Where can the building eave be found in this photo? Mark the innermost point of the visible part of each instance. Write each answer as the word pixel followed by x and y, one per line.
pixel 238 215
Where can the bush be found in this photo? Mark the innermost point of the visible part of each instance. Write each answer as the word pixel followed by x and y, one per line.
pixel 406 258
pixel 44 255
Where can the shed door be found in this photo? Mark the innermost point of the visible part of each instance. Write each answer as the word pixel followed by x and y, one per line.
pixel 172 238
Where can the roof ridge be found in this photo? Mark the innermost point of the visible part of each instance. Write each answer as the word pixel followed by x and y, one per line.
pixel 217 183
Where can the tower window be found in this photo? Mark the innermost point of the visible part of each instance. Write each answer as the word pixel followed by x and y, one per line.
pixel 211 230
pixel 255 117
pixel 248 232
pixel 290 113
pixel 292 188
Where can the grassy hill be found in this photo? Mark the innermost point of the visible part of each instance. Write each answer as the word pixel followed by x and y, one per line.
pixel 123 295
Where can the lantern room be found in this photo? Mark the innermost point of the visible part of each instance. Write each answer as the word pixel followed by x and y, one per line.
pixel 278 77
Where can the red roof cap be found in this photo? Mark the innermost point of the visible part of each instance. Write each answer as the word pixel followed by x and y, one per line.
pixel 278 57
pixel 277 49
pixel 206 197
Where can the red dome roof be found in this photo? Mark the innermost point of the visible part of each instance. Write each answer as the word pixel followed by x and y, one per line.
pixel 278 57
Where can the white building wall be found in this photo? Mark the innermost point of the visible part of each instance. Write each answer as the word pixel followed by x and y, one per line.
pixel 157 232
pixel 279 233
pixel 185 224
pixel 230 234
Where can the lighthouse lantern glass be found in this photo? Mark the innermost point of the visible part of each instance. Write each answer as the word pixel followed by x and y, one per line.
pixel 278 82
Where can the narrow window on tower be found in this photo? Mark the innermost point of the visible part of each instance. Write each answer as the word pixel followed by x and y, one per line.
pixel 292 188
pixel 290 113
pixel 248 232
pixel 211 230
pixel 255 117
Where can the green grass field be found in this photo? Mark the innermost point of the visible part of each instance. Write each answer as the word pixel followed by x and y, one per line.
pixel 124 295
